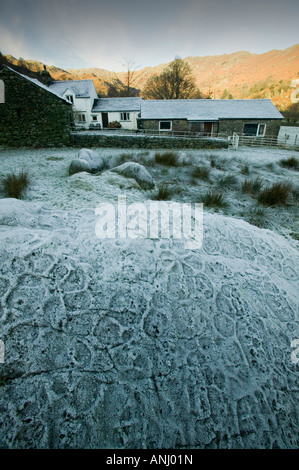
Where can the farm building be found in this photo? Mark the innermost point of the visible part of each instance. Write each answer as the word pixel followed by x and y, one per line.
pixel 289 136
pixel 82 94
pixel 123 110
pixel 31 113
pixel 258 118
pixel 92 112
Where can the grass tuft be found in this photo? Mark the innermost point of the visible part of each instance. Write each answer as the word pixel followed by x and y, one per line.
pixel 276 194
pixel 252 186
pixel 291 163
pixel 245 169
pixel 214 198
pixel 201 172
pixel 15 185
pixel 167 158
pixel 163 192
pixel 228 181
pixel 257 217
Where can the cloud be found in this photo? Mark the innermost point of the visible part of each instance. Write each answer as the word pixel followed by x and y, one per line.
pixel 76 33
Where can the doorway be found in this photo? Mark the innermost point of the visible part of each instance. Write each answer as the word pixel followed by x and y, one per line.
pixel 105 119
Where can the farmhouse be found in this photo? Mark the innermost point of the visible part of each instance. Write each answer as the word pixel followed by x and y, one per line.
pixel 31 113
pixel 209 117
pixel 82 94
pixel 92 112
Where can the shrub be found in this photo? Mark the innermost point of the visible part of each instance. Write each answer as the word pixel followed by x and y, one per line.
pixel 114 125
pixel 291 163
pixel 167 158
pixel 275 194
pixel 214 198
pixel 252 186
pixel 201 172
pixel 14 185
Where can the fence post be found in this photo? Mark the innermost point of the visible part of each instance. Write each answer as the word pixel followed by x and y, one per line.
pixel 235 141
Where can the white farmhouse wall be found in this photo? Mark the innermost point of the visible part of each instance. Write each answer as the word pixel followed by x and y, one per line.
pixel 131 124
pixel 81 106
pixel 289 135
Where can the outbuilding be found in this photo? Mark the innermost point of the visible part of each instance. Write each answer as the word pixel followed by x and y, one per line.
pixel 31 113
pixel 209 117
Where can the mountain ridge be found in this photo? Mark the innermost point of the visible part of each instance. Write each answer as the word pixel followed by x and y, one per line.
pixel 239 75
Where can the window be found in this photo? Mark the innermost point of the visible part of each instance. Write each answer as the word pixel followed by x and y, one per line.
pixel 2 97
pixel 94 118
pixel 124 116
pixel 165 125
pixel 70 98
pixel 254 129
pixel 81 118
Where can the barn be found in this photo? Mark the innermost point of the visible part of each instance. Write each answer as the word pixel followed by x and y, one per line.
pixel 207 117
pixel 30 113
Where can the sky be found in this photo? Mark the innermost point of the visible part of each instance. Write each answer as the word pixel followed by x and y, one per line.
pixel 111 33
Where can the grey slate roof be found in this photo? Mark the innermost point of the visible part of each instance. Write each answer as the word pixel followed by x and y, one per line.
pixel 81 88
pixel 116 104
pixel 38 83
pixel 209 110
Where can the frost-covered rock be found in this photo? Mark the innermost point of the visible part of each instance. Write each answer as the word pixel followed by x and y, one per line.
pixel 88 160
pixel 100 332
pixel 78 165
pixel 136 171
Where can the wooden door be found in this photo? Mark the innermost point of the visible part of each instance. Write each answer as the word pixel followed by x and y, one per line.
pixel 105 119
pixel 208 128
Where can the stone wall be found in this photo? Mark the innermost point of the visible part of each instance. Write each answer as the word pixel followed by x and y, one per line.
pixel 137 141
pixel 229 126
pixel 31 115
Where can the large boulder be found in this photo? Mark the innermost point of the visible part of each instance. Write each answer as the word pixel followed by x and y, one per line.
pixel 136 171
pixel 88 160
pixel 99 332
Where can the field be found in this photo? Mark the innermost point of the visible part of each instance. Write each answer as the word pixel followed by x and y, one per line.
pixel 226 172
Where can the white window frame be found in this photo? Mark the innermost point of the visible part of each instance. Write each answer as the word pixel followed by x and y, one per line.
pixel 81 117
pixel 125 116
pixel 258 130
pixel 94 118
pixel 165 130
pixel 70 98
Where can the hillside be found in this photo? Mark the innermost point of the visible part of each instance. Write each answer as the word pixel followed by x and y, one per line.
pixel 238 75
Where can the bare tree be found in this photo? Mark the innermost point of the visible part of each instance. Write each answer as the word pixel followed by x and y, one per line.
pixel 175 82
pixel 132 77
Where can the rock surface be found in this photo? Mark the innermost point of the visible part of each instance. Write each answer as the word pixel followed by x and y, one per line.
pixel 136 171
pixel 140 343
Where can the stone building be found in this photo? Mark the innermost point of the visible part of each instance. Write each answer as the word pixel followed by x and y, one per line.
pixel 258 118
pixel 30 113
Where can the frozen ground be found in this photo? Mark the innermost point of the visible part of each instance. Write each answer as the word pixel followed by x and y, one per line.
pixel 141 343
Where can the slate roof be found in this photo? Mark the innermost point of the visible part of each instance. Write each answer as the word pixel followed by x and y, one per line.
pixel 38 83
pixel 116 104
pixel 209 110
pixel 81 88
